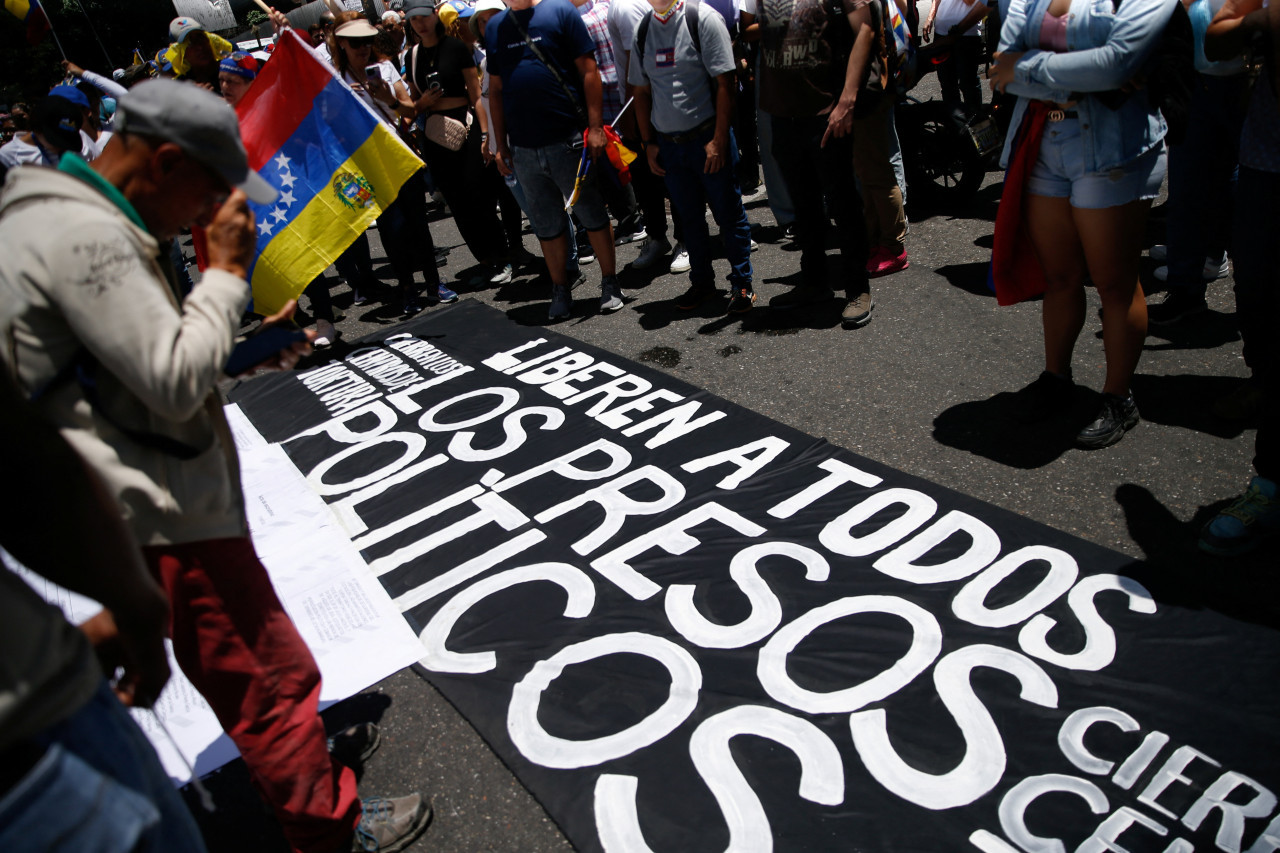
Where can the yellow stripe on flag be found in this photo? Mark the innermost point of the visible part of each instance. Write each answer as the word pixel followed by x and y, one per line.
pixel 327 225
pixel 18 8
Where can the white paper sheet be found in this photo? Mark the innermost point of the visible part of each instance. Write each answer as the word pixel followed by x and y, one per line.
pixel 344 615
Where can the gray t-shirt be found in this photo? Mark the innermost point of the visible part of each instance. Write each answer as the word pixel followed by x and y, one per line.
pixel 683 83
pixel 623 17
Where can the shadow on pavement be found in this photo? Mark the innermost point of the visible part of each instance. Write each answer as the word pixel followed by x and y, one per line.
pixel 990 428
pixel 971 278
pixel 1179 573
pixel 242 822
pixel 1206 331
pixel 1185 401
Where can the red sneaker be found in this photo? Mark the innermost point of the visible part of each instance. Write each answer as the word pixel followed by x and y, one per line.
pixel 887 264
pixel 877 256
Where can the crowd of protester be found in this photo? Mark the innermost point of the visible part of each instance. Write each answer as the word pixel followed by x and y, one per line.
pixel 500 100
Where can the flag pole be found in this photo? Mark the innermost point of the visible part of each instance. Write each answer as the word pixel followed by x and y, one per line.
pixel 96 37
pixel 52 31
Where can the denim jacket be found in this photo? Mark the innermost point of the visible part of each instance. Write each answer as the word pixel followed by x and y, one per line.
pixel 1107 47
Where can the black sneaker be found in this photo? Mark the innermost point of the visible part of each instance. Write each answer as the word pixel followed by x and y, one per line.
pixel 1049 396
pixel 352 746
pixel 741 300
pixel 1177 305
pixel 586 254
pixel 695 297
pixel 1117 415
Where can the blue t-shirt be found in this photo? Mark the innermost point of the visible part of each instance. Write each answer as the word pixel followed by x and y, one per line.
pixel 537 110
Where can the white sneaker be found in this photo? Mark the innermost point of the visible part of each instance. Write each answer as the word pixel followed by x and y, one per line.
pixel 755 195
pixel 1214 269
pixel 680 263
pixel 652 252
pixel 624 239
pixel 326 334
pixel 754 245
pixel 503 275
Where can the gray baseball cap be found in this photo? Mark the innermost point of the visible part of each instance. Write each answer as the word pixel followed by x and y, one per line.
pixel 197 121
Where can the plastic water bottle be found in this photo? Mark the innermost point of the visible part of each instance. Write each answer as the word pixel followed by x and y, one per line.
pixel 510 180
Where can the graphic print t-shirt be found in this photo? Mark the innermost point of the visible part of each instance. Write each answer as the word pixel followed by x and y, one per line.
pixel 804 51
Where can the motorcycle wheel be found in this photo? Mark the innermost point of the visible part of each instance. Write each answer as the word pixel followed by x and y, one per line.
pixel 943 165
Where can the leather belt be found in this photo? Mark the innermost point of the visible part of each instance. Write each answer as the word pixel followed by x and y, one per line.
pixel 1060 115
pixel 689 135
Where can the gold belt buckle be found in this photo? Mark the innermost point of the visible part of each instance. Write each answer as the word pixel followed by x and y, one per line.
pixel 1056 115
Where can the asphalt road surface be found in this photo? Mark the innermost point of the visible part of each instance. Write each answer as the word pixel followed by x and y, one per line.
pixel 922 388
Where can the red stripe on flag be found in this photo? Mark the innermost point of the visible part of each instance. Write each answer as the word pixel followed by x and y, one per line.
pixel 280 98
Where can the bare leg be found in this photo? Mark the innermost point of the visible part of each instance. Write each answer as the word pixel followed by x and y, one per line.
pixel 602 243
pixel 1053 234
pixel 555 251
pixel 1112 239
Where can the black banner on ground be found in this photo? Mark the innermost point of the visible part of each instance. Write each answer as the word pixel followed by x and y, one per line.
pixel 689 628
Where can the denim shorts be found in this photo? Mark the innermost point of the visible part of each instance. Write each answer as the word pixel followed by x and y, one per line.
pixel 1059 171
pixel 546 175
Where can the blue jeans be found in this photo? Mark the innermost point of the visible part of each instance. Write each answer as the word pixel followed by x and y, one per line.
pixel 98 788
pixel 688 186
pixel 1202 178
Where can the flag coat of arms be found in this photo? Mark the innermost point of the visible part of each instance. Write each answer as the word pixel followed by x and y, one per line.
pixel 335 164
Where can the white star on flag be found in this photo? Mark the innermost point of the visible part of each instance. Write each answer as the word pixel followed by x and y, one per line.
pixel 286 198
pixel 286 180
pixel 264 227
pixel 279 214
pixel 282 162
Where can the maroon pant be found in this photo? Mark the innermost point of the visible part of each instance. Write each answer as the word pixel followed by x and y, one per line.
pixel 238 647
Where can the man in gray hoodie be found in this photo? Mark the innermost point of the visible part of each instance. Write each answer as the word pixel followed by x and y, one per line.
pixel 127 369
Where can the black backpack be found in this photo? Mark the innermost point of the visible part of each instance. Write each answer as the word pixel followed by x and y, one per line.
pixel 690 20
pixel 1170 74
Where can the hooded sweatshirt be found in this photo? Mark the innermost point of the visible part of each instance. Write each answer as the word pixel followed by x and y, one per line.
pixel 97 283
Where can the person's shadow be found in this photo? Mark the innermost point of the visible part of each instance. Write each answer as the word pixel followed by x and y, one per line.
pixel 1177 572
pixel 992 428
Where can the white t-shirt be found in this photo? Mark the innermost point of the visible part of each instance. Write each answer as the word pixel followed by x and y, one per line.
pixel 18 152
pixel 952 12
pixel 388 73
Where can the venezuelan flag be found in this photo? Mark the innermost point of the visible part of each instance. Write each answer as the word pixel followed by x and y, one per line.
pixel 337 167
pixel 30 13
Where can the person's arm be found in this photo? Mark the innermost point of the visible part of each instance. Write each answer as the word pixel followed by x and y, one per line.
pixel 498 123
pixel 103 84
pixel 840 119
pixel 1137 28
pixel 1013 44
pixel 68 529
pixel 593 92
pixel 169 358
pixel 1235 25
pixel 471 77
pixel 749 27
pixel 718 62
pixel 644 123
pixel 403 104
pixel 927 30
